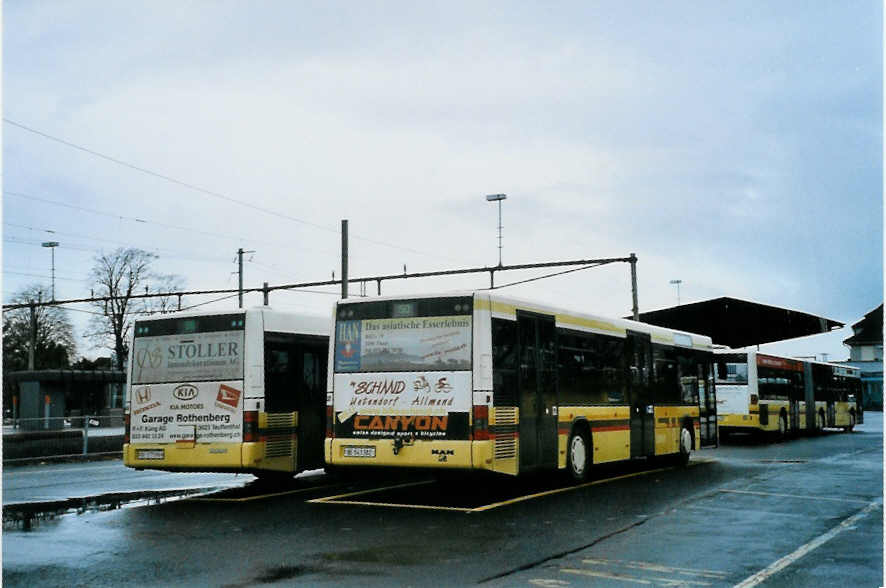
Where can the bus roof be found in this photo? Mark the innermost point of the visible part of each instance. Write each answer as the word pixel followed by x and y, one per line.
pixel 283 321
pixel 844 369
pixel 506 306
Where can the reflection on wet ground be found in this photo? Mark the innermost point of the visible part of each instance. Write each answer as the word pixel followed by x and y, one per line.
pixel 25 515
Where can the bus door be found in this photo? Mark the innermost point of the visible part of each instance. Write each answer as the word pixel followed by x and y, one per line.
pixel 312 411
pixel 796 394
pixel 638 348
pixel 537 389
pixel 809 395
pixel 295 401
pixel 707 406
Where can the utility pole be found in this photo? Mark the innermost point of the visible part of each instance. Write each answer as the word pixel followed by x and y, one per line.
pixel 52 245
pixel 240 253
pixel 344 258
pixel 633 261
pixel 33 337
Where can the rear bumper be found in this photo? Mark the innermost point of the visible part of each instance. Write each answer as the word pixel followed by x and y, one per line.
pixel 418 454
pixel 197 457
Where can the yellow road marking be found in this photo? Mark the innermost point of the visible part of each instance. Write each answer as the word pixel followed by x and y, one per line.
pixel 593 574
pixel 371 490
pixel 794 496
pixel 652 567
pixel 569 488
pixel 261 496
pixel 803 550
pixel 395 505
pixel 338 498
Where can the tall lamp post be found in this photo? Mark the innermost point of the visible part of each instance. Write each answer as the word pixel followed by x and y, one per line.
pixel 497 198
pixel 52 245
pixel 677 284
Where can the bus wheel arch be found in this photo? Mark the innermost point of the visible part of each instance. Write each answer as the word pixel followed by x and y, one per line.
pixel 579 451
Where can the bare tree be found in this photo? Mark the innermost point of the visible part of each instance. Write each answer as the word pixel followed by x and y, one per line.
pixel 53 336
pixel 53 342
pixel 118 277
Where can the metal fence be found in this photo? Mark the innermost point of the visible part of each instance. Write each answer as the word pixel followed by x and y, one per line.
pixel 73 436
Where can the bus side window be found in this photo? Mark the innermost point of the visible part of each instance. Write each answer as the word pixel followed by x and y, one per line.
pixel 279 393
pixel 504 362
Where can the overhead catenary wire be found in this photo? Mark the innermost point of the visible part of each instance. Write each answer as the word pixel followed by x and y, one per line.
pixel 190 230
pixel 206 191
pixel 589 263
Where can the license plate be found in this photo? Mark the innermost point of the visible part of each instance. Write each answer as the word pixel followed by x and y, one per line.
pixel 149 454
pixel 359 451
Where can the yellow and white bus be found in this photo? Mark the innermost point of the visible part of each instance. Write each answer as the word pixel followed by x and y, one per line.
pixel 765 393
pixel 239 391
pixel 480 381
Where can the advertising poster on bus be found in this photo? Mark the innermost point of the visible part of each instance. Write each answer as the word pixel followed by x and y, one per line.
pixel 188 358
pixel 187 387
pixel 205 412
pixel 403 377
pixel 402 344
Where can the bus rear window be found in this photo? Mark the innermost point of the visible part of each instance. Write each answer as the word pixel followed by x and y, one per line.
pixel 404 335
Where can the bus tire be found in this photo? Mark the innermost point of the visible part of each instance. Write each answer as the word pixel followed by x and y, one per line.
pixel 685 447
pixel 272 477
pixel 578 456
pixel 782 427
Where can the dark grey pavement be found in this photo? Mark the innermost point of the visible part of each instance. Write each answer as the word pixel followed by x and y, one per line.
pixel 60 481
pixel 800 513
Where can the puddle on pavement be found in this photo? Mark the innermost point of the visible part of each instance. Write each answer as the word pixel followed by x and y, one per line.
pixel 25 516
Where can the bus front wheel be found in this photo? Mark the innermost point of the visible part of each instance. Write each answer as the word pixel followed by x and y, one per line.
pixel 578 455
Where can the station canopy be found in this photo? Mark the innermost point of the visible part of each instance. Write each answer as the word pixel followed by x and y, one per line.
pixel 739 323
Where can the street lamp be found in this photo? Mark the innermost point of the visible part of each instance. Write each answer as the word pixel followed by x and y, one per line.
pixel 497 198
pixel 52 245
pixel 677 283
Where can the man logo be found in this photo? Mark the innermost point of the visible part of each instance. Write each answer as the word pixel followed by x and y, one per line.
pixel 143 395
pixel 186 392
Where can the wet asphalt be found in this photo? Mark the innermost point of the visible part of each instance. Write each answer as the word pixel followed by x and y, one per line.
pixel 798 513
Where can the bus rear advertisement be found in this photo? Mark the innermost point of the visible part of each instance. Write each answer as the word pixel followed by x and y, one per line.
pixel 234 392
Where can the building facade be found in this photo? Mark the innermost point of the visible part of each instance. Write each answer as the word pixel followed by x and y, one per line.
pixel 866 353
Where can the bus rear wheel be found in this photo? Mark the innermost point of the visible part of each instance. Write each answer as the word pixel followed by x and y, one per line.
pixel 578 456
pixel 685 447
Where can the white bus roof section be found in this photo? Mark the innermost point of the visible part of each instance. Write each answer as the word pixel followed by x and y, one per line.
pixel 273 320
pixel 291 322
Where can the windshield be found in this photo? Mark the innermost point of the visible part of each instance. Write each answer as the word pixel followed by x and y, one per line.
pixel 405 335
pixel 192 349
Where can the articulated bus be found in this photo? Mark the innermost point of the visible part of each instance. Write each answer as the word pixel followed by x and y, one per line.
pixel 764 393
pixel 239 391
pixel 483 382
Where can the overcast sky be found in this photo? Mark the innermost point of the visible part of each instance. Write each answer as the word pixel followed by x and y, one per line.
pixel 736 146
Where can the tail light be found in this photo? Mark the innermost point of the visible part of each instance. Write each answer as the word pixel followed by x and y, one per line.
pixel 126 428
pixel 250 426
pixel 329 431
pixel 480 427
pixel 754 399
